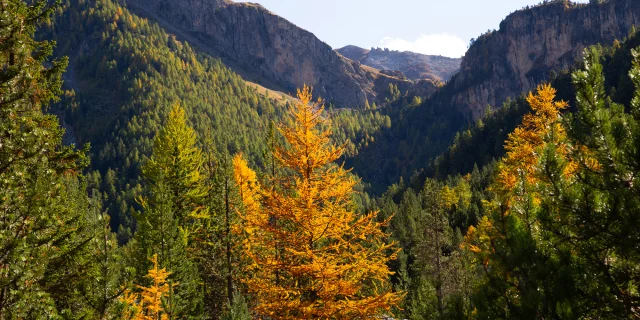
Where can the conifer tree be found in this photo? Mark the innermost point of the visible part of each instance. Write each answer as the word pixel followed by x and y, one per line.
pixel 522 269
pixel 106 267
pixel 43 230
pixel 309 254
pixel 238 309
pixel 178 163
pixel 437 256
pixel 440 283
pixel 594 211
pixel 214 244
pixel 173 212
pixel 148 304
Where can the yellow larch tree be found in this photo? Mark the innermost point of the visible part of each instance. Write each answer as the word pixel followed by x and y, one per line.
pixel 147 305
pixel 309 254
pixel 508 242
pixel 524 144
pixel 517 182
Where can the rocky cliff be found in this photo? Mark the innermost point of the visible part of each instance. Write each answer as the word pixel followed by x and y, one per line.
pixel 415 66
pixel 268 49
pixel 530 44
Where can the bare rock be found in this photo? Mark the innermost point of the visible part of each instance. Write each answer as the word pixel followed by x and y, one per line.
pixel 415 66
pixel 281 55
pixel 530 44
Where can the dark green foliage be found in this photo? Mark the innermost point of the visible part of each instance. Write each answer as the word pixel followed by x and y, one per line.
pixel 238 310
pixel 173 210
pixel 357 128
pixel 480 144
pixel 43 228
pixel 125 74
pixel 596 218
pixel 416 135
pixel 107 270
pixel 432 267
pixel 215 248
pixel 87 282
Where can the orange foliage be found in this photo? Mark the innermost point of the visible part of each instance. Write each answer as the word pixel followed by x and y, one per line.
pixel 147 305
pixel 519 174
pixel 524 144
pixel 309 255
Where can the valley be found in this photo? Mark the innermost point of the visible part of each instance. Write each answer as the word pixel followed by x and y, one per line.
pixel 210 159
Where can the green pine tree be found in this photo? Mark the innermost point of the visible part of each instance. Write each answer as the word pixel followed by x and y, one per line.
pixel 43 228
pixel 173 213
pixel 107 269
pixel 595 211
pixel 238 309
pixel 215 248
pixel 442 276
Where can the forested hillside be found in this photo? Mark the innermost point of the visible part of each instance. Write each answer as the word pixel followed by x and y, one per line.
pixel 141 178
pixel 471 172
pixel 126 73
pixel 531 45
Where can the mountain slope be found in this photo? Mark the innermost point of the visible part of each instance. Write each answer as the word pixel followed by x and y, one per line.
pixel 124 75
pixel 270 50
pixel 415 66
pixel 532 43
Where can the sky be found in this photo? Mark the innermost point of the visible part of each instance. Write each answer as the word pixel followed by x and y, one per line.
pixel 437 27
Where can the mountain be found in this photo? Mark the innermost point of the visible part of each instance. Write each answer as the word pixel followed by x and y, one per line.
pixel 531 45
pixel 269 50
pixel 126 72
pixel 415 66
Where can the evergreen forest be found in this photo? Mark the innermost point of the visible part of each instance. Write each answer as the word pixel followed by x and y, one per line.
pixel 142 178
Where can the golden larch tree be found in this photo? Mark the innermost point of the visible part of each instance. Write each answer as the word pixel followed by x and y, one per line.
pixel 147 305
pixel 309 254
pixel 523 147
pixel 519 175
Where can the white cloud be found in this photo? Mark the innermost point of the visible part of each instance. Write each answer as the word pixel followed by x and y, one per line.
pixel 444 44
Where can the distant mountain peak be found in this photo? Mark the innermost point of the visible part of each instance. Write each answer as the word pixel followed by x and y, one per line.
pixel 415 66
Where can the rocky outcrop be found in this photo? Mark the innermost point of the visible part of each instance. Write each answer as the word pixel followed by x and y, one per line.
pixel 415 66
pixel 276 52
pixel 394 73
pixel 530 44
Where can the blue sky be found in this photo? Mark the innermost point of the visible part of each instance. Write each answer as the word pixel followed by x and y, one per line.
pixel 427 26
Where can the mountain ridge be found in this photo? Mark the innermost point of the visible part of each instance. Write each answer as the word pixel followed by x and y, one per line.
pixel 533 43
pixel 531 46
pixel 280 54
pixel 413 65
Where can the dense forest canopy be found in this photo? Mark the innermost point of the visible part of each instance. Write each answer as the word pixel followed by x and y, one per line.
pixel 156 184
pixel 126 73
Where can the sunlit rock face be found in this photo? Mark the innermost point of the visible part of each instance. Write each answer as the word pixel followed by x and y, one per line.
pixel 533 42
pixel 414 66
pixel 271 50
